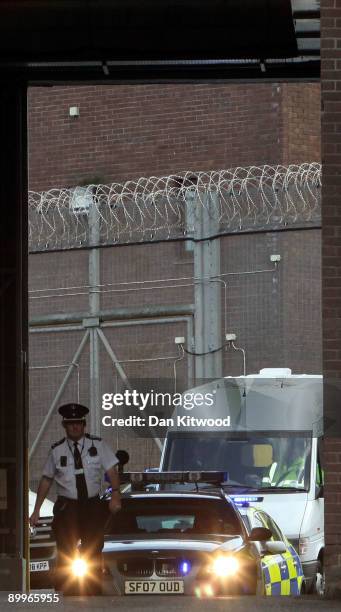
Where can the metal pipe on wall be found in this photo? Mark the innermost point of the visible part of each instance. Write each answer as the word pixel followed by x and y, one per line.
pixel 58 394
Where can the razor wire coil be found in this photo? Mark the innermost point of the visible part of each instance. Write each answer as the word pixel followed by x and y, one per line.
pixel 164 208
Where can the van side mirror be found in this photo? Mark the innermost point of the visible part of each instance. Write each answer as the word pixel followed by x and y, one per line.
pixel 260 534
pixel 319 491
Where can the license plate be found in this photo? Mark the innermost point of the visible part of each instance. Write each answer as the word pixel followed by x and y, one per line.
pixel 151 587
pixel 39 566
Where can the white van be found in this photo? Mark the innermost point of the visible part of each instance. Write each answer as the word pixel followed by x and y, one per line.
pixel 263 431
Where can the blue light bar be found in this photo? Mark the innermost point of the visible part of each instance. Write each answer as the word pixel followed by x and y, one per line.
pixel 248 498
pixel 245 500
pixel 141 479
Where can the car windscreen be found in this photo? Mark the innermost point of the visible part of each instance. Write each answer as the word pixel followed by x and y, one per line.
pixel 167 516
pixel 267 460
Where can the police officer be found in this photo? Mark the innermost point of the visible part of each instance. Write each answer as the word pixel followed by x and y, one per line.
pixel 76 463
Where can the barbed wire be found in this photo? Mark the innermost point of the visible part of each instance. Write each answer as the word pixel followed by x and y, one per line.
pixel 188 205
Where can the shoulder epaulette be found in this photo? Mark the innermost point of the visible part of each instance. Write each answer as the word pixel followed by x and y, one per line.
pixel 90 437
pixel 57 443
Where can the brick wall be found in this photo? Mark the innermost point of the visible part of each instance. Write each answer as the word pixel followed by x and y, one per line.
pixel 331 269
pixel 301 122
pixel 276 313
pixel 124 132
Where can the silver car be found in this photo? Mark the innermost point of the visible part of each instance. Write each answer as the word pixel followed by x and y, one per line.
pixel 196 544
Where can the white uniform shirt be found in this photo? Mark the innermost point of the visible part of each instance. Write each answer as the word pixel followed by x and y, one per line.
pixel 64 475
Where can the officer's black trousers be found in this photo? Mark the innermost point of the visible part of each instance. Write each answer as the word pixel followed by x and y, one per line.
pixel 76 520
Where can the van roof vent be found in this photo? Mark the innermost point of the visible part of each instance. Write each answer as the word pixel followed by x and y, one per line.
pixel 275 372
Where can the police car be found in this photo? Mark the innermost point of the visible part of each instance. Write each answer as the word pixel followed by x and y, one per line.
pixel 42 545
pixel 202 543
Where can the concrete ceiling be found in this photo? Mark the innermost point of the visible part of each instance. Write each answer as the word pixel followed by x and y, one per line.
pixel 120 40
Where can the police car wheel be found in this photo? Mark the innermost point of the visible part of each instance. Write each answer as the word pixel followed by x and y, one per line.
pixel 319 583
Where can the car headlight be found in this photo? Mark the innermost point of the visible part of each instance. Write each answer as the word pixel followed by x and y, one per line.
pixel 79 567
pixel 225 566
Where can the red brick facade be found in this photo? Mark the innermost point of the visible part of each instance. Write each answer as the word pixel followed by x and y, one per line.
pixel 301 119
pixel 124 132
pixel 331 265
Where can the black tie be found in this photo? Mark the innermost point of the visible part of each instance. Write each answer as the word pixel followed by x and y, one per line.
pixel 82 489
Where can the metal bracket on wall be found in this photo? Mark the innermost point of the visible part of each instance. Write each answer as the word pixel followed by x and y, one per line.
pixel 90 322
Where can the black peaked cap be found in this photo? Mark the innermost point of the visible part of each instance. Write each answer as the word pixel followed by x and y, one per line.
pixel 73 412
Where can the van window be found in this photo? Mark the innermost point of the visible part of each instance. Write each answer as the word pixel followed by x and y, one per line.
pixel 267 461
pixel 319 467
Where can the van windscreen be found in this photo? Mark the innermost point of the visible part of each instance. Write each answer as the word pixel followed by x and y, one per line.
pixel 255 461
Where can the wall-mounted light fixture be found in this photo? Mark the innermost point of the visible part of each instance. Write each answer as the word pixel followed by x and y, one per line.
pixel 74 111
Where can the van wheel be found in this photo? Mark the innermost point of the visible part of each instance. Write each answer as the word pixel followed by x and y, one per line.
pixel 319 586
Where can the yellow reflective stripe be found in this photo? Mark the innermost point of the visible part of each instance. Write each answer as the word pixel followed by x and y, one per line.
pixel 285 587
pixel 275 572
pixel 291 566
pixel 277 585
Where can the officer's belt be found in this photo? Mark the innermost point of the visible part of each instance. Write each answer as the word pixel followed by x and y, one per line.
pixel 76 501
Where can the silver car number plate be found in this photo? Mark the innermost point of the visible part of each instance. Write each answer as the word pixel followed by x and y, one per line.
pixel 39 566
pixel 150 587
